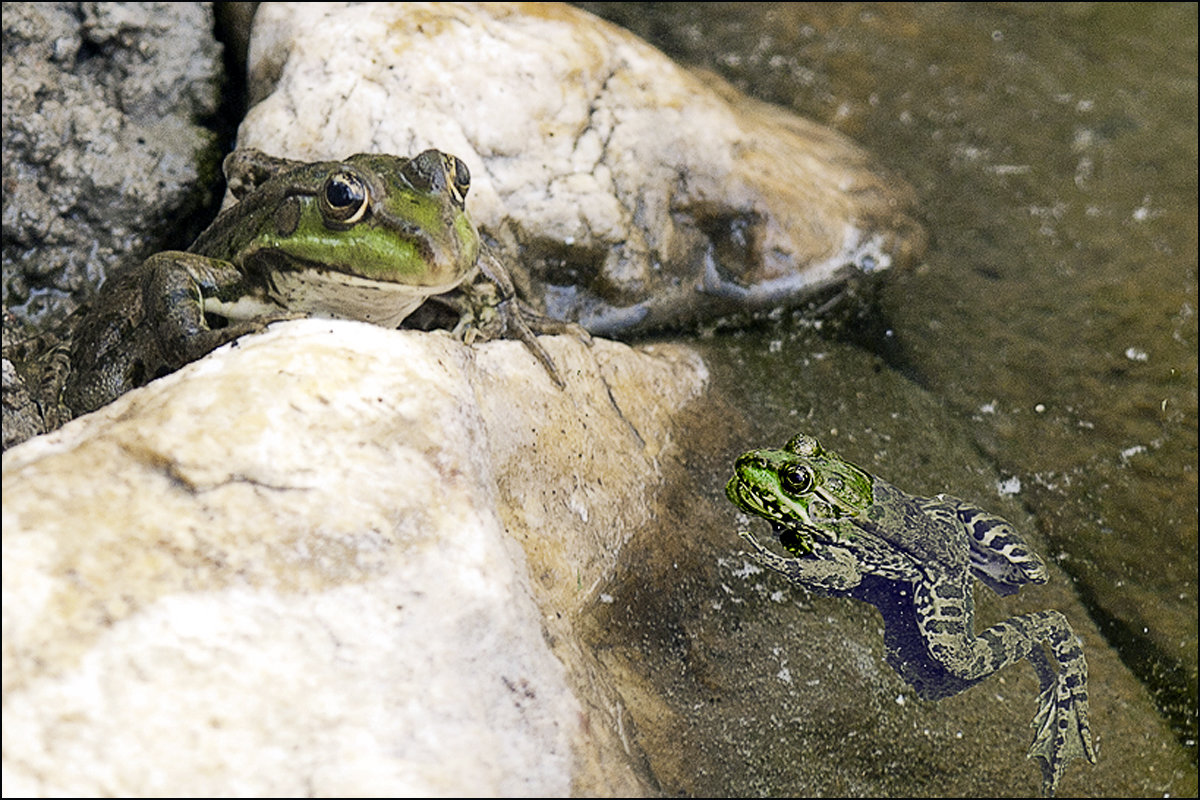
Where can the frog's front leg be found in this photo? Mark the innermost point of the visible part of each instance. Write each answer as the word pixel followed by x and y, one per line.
pixel 837 570
pixel 148 323
pixel 1063 732
pixel 183 291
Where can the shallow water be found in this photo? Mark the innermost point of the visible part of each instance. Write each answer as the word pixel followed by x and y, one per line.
pixel 1054 150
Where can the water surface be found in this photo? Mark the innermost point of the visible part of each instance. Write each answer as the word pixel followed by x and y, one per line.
pixel 1054 151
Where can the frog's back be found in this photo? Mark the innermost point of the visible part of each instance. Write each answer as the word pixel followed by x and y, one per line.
pixel 949 533
pixel 926 529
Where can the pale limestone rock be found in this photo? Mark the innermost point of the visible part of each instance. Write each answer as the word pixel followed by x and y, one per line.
pixel 624 191
pixel 302 565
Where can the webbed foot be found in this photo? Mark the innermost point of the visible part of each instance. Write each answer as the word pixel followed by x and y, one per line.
pixel 1062 729
pixel 762 555
pixel 519 321
pixel 838 573
pixel 494 311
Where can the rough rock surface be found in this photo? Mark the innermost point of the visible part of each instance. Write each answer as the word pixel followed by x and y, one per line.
pixel 329 560
pixel 102 141
pixel 104 153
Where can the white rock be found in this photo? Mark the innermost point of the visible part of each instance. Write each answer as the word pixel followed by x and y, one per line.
pixel 302 565
pixel 630 191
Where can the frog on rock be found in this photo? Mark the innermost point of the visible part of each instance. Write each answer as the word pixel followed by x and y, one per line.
pixel 369 238
pixel 841 523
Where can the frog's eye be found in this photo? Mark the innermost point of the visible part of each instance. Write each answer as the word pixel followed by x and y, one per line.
pixel 795 479
pixel 344 199
pixel 460 178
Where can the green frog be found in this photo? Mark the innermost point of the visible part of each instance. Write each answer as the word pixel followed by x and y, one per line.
pixel 840 524
pixel 369 238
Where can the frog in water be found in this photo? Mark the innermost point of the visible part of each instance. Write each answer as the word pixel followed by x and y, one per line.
pixel 840 524
pixel 369 238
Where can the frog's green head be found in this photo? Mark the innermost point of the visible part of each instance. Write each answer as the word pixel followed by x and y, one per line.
pixel 802 490
pixel 378 217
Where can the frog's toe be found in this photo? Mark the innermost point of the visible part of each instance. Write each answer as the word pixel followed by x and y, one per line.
pixel 541 324
pixel 757 545
pixel 579 332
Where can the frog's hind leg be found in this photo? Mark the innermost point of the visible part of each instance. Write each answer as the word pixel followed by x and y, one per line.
pixel 946 620
pixel 1062 730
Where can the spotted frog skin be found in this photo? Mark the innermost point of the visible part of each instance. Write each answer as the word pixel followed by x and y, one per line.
pixel 369 238
pixel 840 523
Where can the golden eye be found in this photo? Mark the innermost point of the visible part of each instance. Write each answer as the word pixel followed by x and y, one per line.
pixel 460 178
pixel 344 200
pixel 795 479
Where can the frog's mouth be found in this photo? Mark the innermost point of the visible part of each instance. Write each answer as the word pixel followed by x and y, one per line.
pixel 790 531
pixel 744 497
